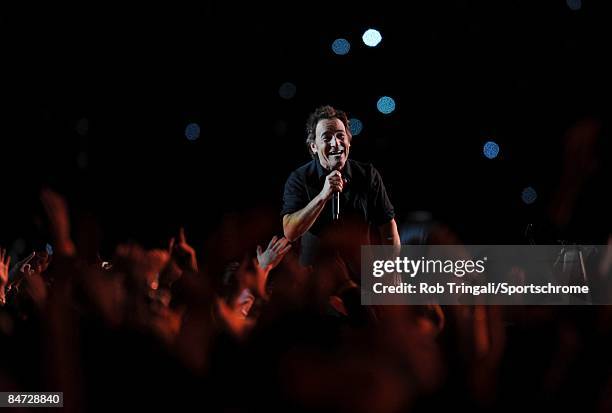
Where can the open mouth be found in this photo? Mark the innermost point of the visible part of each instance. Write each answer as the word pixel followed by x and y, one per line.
pixel 336 153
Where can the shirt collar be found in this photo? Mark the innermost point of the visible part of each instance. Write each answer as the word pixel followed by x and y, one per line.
pixel 346 171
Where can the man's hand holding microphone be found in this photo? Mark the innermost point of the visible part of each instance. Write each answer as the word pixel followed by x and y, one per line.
pixel 334 184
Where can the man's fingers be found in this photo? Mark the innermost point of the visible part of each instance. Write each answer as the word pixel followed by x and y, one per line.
pixel 337 187
pixel 181 236
pixel 278 245
pixel 272 242
pixel 259 250
pixel 283 242
pixel 284 250
pixel 26 259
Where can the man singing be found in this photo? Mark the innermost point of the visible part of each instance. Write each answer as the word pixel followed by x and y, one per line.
pixel 307 211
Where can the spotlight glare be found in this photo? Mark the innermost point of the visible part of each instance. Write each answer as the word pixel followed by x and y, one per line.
pixel 82 126
pixel 192 131
pixel 385 105
pixel 529 195
pixel 287 90
pixel 341 46
pixel 371 38
pixel 490 150
pixel 574 5
pixel 355 126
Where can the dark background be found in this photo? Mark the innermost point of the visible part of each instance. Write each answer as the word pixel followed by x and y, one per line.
pixel 461 73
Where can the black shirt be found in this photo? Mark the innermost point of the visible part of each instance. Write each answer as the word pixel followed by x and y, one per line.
pixel 363 202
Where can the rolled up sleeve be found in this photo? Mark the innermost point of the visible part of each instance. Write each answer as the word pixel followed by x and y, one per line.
pixel 381 211
pixel 294 197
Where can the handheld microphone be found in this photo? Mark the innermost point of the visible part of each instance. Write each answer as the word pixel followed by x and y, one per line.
pixel 336 206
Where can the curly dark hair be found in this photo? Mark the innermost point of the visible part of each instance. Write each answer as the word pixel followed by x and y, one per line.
pixel 323 112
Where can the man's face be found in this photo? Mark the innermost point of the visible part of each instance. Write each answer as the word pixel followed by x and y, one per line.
pixel 332 144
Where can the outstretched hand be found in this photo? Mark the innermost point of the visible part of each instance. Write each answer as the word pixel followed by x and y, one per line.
pixel 182 253
pixel 273 255
pixel 265 262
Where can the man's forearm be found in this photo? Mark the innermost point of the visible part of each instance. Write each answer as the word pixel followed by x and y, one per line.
pixel 296 224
